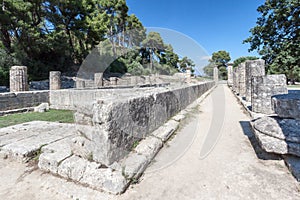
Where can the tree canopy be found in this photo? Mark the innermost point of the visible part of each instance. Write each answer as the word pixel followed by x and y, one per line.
pixel 276 36
pixel 219 59
pixel 50 35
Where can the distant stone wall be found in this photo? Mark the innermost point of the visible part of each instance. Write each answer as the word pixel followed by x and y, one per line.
pixel 114 124
pixel 18 100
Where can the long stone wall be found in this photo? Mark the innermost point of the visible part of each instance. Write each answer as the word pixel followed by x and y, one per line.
pixel 114 124
pixel 18 100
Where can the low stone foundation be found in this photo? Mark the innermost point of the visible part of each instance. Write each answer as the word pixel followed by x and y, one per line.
pixel 114 123
pixel 19 100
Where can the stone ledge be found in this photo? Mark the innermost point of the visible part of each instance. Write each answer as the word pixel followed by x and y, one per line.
pixel 288 105
pixel 278 142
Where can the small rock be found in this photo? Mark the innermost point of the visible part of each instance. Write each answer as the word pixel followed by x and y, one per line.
pixel 43 107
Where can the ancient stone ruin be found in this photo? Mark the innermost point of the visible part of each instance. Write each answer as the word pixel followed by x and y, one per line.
pixel 111 117
pixel 18 79
pixel 55 80
pixel 275 110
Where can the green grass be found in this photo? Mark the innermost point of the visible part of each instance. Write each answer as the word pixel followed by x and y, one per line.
pixel 293 86
pixel 63 116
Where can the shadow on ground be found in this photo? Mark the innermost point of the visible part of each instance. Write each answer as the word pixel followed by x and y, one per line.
pixel 260 153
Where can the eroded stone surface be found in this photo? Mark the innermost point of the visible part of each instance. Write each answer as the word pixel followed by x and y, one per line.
pixel 253 68
pixel 280 136
pixel 263 88
pixel 116 123
pixel 18 80
pixel 53 154
pixel 242 79
pixel 287 105
pixel 164 132
pixel 23 141
pixel 149 147
pixel 284 129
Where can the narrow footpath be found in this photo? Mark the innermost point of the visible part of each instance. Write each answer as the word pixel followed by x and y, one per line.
pixel 227 164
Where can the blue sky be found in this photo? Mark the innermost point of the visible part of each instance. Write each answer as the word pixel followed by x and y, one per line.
pixel 214 24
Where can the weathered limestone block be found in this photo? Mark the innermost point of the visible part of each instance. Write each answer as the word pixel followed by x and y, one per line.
pixel 80 84
pixel 53 154
pixel 118 123
pixel 113 81
pixel 55 80
pixel 149 147
pixel 253 68
pixel 134 80
pixel 19 100
pixel 263 88
pixel 287 105
pixel 280 136
pixel 235 80
pixel 230 74
pixel 43 107
pixel 188 75
pixel 98 78
pixel 91 174
pixel 216 75
pixel 242 80
pixel 18 79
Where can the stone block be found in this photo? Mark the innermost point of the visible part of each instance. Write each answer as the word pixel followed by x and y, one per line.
pixel 55 80
pixel 119 122
pixel 165 132
pixel 235 80
pixel 253 68
pixel 230 74
pixel 93 175
pixel 36 135
pixel 263 88
pixel 149 147
pixel 98 78
pixel 18 79
pixel 216 74
pixel 242 79
pixel 287 105
pixel 280 136
pixel 134 165
pixel 53 154
pixel 43 107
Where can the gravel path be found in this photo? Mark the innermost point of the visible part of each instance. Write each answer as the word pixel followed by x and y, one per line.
pixel 236 168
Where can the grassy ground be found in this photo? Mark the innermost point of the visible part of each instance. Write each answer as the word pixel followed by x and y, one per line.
pixel 293 86
pixel 63 116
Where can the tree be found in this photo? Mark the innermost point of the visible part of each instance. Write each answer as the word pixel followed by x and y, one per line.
pixel 209 69
pixel 276 36
pixel 220 58
pixel 185 63
pixel 242 59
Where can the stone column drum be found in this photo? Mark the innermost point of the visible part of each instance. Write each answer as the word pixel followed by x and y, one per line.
pixel 230 74
pixel 242 80
pixel 235 80
pixel 98 78
pixel 216 74
pixel 113 81
pixel 188 75
pixel 18 79
pixel 253 68
pixel 80 84
pixel 55 80
pixel 263 88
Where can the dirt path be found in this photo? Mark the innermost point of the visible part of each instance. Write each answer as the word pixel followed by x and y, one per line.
pixel 234 169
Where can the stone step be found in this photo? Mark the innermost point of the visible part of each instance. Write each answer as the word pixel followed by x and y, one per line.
pixel 22 142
